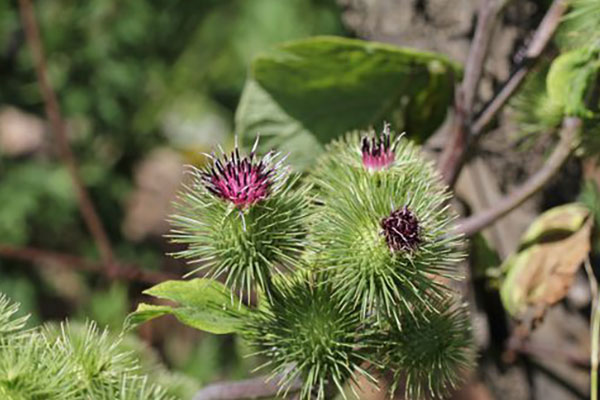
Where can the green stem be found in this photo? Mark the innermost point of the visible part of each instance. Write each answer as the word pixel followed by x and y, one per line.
pixel 595 331
pixel 595 346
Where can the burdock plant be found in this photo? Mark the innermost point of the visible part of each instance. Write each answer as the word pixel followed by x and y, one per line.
pixel 355 259
pixel 383 230
pixel 242 218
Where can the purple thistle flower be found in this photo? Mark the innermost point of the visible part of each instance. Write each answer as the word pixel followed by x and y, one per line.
pixel 401 230
pixel 244 181
pixel 378 150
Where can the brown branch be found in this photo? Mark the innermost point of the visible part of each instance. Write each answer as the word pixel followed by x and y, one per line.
pixel 462 131
pixel 255 388
pixel 540 40
pixel 535 183
pixel 125 272
pixel 454 151
pixel 57 124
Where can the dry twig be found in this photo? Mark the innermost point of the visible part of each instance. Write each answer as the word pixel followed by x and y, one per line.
pixel 570 129
pixel 453 154
pixel 540 40
pixel 255 388
pixel 465 127
pixel 88 211
pixel 126 272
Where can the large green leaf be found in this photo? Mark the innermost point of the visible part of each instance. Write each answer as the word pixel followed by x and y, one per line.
pixel 307 92
pixel 203 304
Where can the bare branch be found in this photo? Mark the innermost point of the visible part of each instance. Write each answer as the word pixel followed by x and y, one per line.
pixel 126 272
pixel 453 154
pixel 540 40
pixel 463 130
pixel 535 183
pixel 86 206
pixel 256 388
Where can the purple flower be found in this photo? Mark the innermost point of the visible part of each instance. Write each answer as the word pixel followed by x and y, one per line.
pixel 244 181
pixel 378 150
pixel 401 230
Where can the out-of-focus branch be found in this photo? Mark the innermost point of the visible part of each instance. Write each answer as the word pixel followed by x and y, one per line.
pixel 538 43
pixel 453 154
pixel 255 388
pixel 463 129
pixel 535 183
pixel 88 211
pixel 550 352
pixel 126 272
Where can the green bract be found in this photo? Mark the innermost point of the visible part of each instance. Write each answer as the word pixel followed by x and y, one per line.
pixel 433 351
pixel 247 241
pixel 69 362
pixel 364 267
pixel 307 336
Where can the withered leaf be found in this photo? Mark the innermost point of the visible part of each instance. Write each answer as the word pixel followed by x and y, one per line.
pixel 542 271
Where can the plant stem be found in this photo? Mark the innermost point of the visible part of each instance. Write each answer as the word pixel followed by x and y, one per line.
pixel 256 388
pixel 88 211
pixel 126 272
pixel 568 135
pixel 595 322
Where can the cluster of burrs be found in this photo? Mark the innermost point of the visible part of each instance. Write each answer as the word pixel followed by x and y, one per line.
pixel 346 281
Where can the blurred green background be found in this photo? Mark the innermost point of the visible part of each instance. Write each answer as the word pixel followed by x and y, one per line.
pixel 145 87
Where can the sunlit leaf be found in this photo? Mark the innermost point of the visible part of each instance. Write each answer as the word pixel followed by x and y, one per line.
pixel 203 304
pixel 307 92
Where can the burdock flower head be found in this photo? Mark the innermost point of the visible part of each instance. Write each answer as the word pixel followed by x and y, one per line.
pixel 401 230
pixel 243 181
pixel 378 255
pixel 378 151
pixel 307 336
pixel 242 217
pixel 432 353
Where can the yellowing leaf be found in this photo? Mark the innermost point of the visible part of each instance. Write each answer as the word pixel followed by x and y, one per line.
pixel 565 219
pixel 541 273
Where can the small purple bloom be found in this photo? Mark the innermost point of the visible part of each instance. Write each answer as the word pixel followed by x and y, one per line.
pixel 244 181
pixel 401 230
pixel 378 150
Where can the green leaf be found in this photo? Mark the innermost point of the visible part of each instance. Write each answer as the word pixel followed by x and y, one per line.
pixel 571 78
pixel 203 304
pixel 307 92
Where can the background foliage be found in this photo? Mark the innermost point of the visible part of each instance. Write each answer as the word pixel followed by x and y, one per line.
pixel 147 86
pixel 132 77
